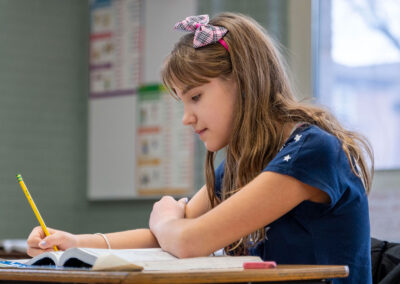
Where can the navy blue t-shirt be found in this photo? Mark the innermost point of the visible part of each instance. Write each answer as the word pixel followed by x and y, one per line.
pixel 316 233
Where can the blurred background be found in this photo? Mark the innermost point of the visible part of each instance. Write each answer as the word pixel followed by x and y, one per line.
pixel 85 121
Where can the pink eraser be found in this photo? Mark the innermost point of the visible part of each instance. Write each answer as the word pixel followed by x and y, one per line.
pixel 259 265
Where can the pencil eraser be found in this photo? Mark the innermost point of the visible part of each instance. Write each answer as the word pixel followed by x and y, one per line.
pixel 259 265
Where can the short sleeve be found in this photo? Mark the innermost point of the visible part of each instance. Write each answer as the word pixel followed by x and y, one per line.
pixel 313 157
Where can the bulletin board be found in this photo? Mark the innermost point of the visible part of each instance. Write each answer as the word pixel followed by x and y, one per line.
pixel 165 148
pixel 137 146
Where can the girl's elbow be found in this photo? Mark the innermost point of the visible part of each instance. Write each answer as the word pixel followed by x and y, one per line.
pixel 185 251
pixel 189 246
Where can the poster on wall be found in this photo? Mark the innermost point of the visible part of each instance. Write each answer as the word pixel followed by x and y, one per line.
pixel 116 55
pixel 138 147
pixel 115 47
pixel 165 147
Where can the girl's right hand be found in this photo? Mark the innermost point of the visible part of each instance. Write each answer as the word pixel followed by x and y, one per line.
pixel 38 242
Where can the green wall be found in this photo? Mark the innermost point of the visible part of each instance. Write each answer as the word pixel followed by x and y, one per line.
pixel 43 121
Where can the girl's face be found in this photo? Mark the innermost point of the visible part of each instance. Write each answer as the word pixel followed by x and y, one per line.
pixel 209 110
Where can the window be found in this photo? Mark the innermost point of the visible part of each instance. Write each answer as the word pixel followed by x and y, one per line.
pixel 357 70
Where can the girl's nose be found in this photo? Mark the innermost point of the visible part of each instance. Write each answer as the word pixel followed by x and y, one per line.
pixel 188 118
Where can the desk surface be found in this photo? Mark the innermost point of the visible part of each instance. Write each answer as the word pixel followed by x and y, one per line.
pixel 281 273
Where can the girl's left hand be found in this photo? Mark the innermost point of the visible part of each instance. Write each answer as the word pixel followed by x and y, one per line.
pixel 165 210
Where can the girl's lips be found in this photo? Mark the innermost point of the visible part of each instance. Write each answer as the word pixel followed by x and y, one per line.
pixel 201 131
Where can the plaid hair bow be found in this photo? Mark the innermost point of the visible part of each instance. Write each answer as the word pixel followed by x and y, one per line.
pixel 204 34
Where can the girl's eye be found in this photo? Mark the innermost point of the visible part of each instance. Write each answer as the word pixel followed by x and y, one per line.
pixel 196 98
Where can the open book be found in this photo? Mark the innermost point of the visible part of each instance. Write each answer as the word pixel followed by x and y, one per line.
pixel 152 259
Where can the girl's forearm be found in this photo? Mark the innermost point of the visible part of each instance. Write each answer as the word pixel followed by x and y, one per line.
pixel 139 238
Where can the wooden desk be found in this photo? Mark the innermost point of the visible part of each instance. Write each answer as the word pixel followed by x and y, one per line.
pixel 283 273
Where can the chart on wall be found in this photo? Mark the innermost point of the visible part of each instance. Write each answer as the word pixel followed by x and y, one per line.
pixel 116 55
pixel 137 145
pixel 115 47
pixel 165 148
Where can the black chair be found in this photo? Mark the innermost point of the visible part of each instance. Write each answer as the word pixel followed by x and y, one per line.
pixel 385 260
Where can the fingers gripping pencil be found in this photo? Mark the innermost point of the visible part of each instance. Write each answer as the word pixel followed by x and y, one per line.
pixel 34 208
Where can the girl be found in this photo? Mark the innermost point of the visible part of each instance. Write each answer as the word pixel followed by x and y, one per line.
pixel 293 186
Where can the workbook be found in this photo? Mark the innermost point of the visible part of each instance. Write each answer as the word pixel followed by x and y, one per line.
pixel 151 259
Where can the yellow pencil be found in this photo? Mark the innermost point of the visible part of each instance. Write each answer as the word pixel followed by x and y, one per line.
pixel 34 208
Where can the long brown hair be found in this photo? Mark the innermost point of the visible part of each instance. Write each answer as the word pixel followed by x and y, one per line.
pixel 265 104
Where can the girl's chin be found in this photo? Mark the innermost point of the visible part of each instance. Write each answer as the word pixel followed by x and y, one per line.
pixel 213 148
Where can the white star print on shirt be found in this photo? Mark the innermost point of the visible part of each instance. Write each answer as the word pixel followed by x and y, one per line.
pixel 297 137
pixel 287 158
